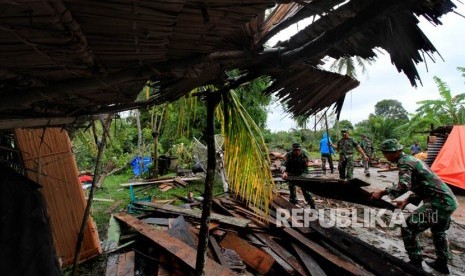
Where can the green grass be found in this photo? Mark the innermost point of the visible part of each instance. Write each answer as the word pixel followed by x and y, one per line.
pixel 111 189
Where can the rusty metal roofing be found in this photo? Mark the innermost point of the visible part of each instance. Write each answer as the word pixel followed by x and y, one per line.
pixel 61 61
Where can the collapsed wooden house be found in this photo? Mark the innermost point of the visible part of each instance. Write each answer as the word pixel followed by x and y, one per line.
pixel 242 242
pixel 64 61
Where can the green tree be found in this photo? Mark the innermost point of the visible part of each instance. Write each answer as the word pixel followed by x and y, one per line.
pixel 391 109
pixel 447 110
pixel 339 125
pixel 382 127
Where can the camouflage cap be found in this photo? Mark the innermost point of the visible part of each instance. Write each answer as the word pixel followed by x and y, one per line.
pixel 391 145
pixel 344 130
pixel 295 146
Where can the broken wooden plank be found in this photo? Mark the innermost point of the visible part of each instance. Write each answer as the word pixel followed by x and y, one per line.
pixel 102 199
pixel 121 246
pixel 179 229
pixel 349 191
pixel 126 263
pixel 369 256
pixel 337 261
pixel 283 203
pixel 252 256
pixel 212 226
pixel 366 254
pixel 180 181
pixel 312 266
pixel 158 181
pixel 165 187
pixel 233 259
pixel 157 221
pixel 163 201
pixel 217 251
pixel 282 252
pixel 183 253
pixel 283 263
pixel 231 221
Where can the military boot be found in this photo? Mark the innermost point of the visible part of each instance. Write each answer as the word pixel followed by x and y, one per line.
pixel 440 266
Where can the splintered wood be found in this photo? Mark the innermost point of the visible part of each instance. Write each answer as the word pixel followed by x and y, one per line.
pixel 243 241
pixel 183 253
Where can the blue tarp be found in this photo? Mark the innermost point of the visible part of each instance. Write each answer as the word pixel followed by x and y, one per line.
pixel 146 161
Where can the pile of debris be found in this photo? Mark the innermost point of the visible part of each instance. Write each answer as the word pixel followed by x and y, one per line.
pixel 162 240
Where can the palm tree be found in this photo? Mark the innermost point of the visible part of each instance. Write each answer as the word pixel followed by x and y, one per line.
pixel 348 65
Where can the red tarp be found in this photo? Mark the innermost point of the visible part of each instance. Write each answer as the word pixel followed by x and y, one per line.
pixel 450 162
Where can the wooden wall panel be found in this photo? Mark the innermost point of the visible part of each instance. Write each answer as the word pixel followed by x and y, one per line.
pixel 49 150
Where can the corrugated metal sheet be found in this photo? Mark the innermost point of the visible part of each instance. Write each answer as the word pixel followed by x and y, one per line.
pixel 48 151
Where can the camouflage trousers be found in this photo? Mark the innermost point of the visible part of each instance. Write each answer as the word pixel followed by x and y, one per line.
pixel 421 219
pixel 307 195
pixel 346 166
pixel 324 157
pixel 367 163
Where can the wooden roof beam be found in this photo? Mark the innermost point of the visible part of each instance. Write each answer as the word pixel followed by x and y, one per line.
pixel 64 17
pixel 313 8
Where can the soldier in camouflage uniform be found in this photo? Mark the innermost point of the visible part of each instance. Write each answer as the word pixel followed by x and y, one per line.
pixel 346 147
pixel 296 165
pixel 438 204
pixel 367 146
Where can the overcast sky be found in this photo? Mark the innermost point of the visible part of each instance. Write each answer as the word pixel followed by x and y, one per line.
pixel 382 81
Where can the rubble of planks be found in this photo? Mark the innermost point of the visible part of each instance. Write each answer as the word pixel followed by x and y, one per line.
pixel 178 181
pixel 242 240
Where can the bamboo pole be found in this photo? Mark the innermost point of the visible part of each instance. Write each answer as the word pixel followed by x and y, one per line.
pixel 101 147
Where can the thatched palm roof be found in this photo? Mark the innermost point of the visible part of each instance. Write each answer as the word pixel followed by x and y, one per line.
pixel 64 60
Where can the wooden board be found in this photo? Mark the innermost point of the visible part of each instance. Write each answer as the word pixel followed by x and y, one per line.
pixel 252 256
pixel 312 266
pixel 159 181
pixel 281 262
pixel 126 264
pixel 349 191
pixel 282 252
pixel 49 161
pixel 237 222
pixel 183 253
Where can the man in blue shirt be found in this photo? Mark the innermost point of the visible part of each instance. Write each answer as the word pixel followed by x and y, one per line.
pixel 415 148
pixel 326 150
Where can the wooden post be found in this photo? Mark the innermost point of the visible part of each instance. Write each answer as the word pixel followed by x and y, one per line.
pixel 101 147
pixel 212 101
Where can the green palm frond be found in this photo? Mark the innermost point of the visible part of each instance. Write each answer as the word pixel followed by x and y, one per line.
pixel 87 141
pixel 247 161
pixel 348 65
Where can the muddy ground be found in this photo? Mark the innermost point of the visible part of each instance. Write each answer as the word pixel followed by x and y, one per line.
pixel 389 238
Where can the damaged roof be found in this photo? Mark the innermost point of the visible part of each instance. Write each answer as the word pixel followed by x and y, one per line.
pixel 62 61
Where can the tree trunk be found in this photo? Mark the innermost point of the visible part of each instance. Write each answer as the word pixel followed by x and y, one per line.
pixel 139 142
pixel 155 154
pixel 212 102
